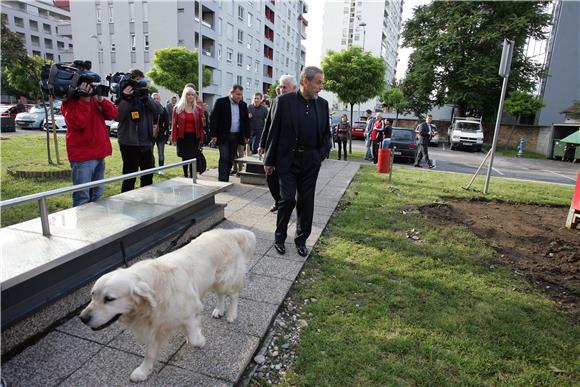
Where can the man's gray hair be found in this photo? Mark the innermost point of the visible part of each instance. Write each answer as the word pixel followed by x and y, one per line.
pixel 309 73
pixel 287 78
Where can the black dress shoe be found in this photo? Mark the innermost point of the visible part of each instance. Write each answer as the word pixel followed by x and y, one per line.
pixel 280 248
pixel 302 250
pixel 274 208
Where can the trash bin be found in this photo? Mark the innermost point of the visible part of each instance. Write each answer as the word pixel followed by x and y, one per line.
pixel 559 149
pixel 384 162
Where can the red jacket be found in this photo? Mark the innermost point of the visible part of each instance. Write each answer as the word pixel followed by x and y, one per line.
pixel 178 127
pixel 87 137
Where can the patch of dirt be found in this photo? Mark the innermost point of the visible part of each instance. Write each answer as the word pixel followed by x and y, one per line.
pixel 531 240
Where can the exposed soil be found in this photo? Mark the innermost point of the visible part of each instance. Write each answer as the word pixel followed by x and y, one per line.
pixel 531 240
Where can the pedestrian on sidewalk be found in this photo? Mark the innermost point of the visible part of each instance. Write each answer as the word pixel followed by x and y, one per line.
pixel 257 113
pixel 342 134
pixel 162 123
pixel 298 141
pixel 423 143
pixel 187 129
pixel 377 137
pixel 287 85
pixel 368 129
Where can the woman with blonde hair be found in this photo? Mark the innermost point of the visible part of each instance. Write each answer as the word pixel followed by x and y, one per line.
pixel 187 128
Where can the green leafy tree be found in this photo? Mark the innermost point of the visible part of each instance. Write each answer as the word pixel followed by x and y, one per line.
pixel 25 76
pixel 457 50
pixel 575 111
pixel 519 104
pixel 272 90
pixel 394 98
pixel 174 67
pixel 354 76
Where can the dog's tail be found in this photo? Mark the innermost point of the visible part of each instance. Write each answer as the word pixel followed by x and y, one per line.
pixel 247 242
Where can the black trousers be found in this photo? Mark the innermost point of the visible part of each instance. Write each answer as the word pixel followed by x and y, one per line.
pixel 136 158
pixel 274 186
pixel 423 151
pixel 228 153
pixel 341 140
pixel 297 189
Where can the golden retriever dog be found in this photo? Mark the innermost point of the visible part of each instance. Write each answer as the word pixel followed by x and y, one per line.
pixel 155 298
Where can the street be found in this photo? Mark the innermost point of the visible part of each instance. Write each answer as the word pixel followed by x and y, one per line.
pixel 552 171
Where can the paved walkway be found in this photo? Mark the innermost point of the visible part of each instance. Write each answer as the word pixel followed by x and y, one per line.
pixel 73 355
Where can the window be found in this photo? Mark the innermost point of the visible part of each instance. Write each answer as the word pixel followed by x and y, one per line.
pixel 18 21
pixel 230 31
pixel 145 11
pixel 248 83
pixel 33 25
pixel 131 12
pixel 241 36
pixel 133 43
pixel 240 12
pixel 60 45
pixel 229 79
pixel 35 40
pixel 180 10
pixel 250 19
pixel 113 47
pixel 240 59
pixel 249 63
pixel 48 43
pixel 47 29
pixel 36 53
pixel 229 55
pixel 239 79
pixel 250 41
pixel 49 56
pixel 98 14
pixel 146 42
pixel 256 66
pixel 110 13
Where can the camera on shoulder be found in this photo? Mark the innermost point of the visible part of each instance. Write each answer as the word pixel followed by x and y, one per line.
pixel 62 80
pixel 119 81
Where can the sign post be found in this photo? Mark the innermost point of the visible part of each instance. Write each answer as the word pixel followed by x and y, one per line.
pixel 504 72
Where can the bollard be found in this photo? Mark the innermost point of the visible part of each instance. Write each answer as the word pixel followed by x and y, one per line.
pixel 521 147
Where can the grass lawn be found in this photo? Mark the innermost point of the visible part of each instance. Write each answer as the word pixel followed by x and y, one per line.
pixel 509 152
pixel 31 149
pixel 393 311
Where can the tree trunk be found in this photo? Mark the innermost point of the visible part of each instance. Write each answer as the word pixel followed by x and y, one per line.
pixel 54 131
pixel 350 134
pixel 44 124
pixel 397 118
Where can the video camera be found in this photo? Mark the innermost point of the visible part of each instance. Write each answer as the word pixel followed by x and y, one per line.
pixel 119 81
pixel 62 81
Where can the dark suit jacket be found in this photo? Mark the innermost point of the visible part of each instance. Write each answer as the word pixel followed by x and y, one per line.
pixel 220 120
pixel 283 132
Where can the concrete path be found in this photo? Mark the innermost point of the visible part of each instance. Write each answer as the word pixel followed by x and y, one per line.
pixel 73 355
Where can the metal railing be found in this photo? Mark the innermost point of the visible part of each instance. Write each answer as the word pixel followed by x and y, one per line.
pixel 42 196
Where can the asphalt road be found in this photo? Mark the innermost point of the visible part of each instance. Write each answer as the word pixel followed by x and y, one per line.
pixel 551 171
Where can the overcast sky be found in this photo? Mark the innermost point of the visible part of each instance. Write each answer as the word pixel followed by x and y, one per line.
pixel 313 43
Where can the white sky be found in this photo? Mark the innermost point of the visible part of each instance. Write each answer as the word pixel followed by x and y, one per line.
pixel 313 43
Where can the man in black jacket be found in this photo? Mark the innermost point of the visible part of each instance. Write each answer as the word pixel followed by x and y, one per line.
pixel 229 127
pixel 423 143
pixel 298 141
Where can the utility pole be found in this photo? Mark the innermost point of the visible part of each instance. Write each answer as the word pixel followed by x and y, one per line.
pixel 199 54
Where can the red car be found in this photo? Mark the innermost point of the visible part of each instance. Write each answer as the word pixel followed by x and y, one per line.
pixel 358 129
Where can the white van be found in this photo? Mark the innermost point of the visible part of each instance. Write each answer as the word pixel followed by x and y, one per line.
pixel 466 132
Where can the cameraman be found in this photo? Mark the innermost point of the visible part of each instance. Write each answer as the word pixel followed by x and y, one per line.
pixel 87 139
pixel 136 113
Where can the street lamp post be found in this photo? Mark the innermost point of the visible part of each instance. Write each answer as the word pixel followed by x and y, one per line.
pixel 363 25
pixel 99 53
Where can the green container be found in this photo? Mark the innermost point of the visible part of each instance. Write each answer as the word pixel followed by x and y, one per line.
pixel 559 149
pixel 577 153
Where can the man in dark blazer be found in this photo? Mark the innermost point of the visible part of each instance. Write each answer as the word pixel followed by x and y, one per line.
pixel 229 127
pixel 298 141
pixel 287 85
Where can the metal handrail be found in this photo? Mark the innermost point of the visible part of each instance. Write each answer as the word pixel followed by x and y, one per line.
pixel 41 196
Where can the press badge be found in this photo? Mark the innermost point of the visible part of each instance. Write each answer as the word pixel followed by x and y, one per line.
pixel 135 115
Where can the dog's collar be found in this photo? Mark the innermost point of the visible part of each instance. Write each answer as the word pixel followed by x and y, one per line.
pixel 108 323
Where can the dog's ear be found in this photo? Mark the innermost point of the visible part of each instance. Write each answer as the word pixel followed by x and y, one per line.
pixel 141 289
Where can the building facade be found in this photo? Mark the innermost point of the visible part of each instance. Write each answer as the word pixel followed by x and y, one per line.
pixel 373 25
pixel 250 43
pixel 44 28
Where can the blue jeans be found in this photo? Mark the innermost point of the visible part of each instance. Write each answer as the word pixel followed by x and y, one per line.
pixel 368 143
pixel 256 140
pixel 85 172
pixel 161 151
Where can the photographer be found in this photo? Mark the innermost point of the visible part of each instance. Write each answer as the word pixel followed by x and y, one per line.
pixel 135 134
pixel 87 139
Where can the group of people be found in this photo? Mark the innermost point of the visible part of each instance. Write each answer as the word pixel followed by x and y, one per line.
pixel 293 137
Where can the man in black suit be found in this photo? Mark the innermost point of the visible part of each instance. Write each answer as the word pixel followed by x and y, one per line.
pixel 287 85
pixel 298 141
pixel 229 127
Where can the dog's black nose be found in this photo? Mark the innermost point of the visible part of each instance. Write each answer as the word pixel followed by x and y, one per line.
pixel 85 319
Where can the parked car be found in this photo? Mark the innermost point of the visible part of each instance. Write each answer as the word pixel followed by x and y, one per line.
pixel 404 143
pixel 358 129
pixel 32 119
pixel 7 116
pixel 58 119
pixel 434 140
pixel 114 129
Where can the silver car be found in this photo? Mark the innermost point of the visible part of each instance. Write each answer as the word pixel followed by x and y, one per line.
pixel 32 119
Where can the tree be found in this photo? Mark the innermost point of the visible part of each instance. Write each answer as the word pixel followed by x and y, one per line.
pixel 355 76
pixel 393 98
pixel 457 49
pixel 272 90
pixel 174 67
pixel 521 103
pixel 13 50
pixel 25 76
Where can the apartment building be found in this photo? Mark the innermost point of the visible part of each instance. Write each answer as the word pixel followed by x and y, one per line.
pixel 250 43
pixel 374 25
pixel 44 28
